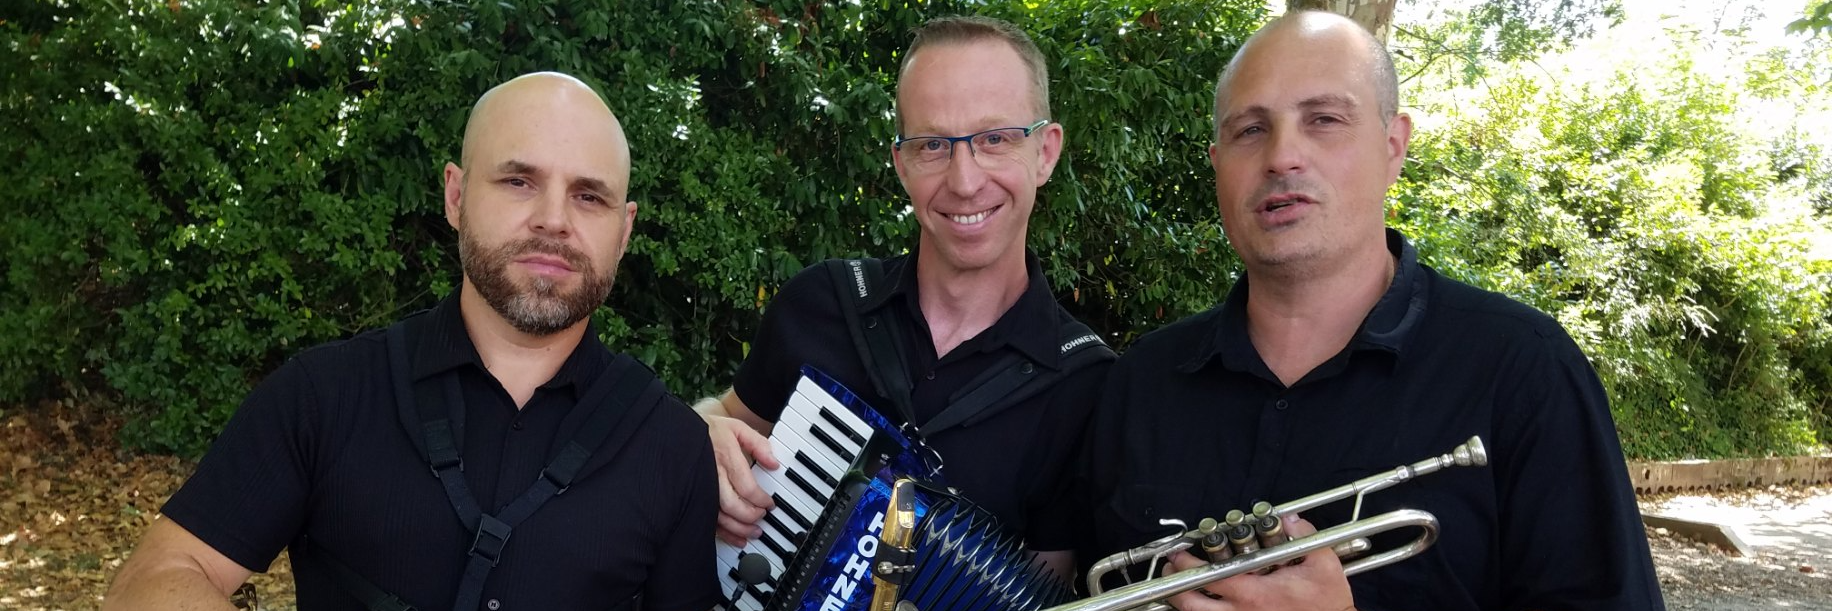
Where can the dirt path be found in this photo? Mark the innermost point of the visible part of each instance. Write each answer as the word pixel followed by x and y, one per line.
pixel 72 505
pixel 1791 531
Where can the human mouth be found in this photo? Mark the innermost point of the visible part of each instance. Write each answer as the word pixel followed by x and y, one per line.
pixel 1283 201
pixel 546 264
pixel 970 219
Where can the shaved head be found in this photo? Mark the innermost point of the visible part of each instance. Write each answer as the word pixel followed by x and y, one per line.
pixel 1308 26
pixel 541 201
pixel 538 92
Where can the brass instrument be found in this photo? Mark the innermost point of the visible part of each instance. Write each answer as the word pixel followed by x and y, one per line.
pixel 1258 549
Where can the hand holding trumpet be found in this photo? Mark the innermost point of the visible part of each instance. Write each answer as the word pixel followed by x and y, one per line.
pixel 1316 583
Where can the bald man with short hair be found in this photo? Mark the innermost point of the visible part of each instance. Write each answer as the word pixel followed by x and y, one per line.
pixel 1339 356
pixel 423 466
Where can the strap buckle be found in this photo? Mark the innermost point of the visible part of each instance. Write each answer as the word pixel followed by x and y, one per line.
pixel 492 536
pixel 561 486
pixel 439 467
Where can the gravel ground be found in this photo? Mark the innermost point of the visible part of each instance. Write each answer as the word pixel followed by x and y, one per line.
pixel 1792 569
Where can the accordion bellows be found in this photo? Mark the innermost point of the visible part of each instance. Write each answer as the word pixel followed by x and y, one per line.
pixel 965 562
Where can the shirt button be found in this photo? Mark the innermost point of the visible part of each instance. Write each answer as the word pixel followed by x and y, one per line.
pixel 1281 404
pixel 517 425
pixel 494 604
pixel 931 375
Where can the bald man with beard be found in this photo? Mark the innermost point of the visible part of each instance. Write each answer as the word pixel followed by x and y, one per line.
pixel 396 466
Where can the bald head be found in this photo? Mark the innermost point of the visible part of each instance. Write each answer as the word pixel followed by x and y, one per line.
pixel 1312 33
pixel 512 107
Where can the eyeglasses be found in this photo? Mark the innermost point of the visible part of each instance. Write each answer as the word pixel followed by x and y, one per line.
pixel 993 146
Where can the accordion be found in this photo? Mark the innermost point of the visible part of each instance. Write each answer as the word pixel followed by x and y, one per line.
pixel 823 547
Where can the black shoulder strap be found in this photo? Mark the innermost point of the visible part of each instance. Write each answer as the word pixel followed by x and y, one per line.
pixel 1015 378
pixel 856 281
pixel 621 398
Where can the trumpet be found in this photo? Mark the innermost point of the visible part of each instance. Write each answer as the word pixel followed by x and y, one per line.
pixel 1234 551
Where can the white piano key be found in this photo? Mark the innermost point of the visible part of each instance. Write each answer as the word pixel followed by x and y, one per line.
pixel 807 391
pixel 808 508
pixel 822 438
pixel 786 442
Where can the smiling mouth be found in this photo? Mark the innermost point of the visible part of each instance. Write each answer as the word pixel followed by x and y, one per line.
pixel 970 219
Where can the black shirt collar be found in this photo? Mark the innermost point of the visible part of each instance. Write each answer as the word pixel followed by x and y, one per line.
pixel 1029 326
pixel 443 344
pixel 1387 327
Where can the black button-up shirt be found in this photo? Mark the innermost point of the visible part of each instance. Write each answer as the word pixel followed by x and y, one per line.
pixel 319 449
pixel 1193 424
pixel 1015 464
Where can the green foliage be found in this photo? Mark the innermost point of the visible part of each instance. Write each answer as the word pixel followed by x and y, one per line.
pixel 1818 19
pixel 198 190
pixel 1664 239
pixel 1468 41
pixel 207 187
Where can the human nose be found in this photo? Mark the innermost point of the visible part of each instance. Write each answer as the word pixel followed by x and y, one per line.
pixel 1284 152
pixel 552 215
pixel 965 176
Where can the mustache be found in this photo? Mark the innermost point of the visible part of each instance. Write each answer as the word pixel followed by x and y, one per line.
pixel 572 256
pixel 1285 184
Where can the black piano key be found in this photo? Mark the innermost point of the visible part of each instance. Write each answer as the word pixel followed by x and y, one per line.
pixel 790 511
pixel 762 596
pixel 815 468
pixel 841 426
pixel 795 476
pixel 781 552
pixel 846 456
pixel 795 536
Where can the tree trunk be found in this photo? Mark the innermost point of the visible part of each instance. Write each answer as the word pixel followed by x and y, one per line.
pixel 1375 15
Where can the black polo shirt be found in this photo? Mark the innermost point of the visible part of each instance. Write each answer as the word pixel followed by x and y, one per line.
pixel 1017 463
pixel 1193 424
pixel 319 449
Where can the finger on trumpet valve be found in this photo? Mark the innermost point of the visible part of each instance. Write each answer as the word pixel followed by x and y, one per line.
pixel 1352 548
pixel 1240 533
pixel 1214 542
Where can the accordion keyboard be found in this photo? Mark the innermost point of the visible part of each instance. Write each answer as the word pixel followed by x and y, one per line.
pixel 816 441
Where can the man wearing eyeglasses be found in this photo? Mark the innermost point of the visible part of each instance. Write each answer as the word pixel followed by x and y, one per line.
pixel 975 144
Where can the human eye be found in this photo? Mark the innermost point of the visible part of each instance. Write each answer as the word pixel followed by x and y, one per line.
pixel 1248 131
pixel 996 141
pixel 517 182
pixel 930 145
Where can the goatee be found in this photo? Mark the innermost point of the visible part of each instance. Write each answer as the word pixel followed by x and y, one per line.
pixel 540 308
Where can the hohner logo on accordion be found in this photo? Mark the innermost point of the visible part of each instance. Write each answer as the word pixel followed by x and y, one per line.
pixel 821 546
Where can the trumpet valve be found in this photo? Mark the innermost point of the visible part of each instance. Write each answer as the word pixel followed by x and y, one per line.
pixel 1240 533
pixel 1267 525
pixel 1214 542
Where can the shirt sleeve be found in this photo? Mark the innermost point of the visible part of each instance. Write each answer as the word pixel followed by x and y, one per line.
pixel 1571 534
pixel 805 306
pixel 247 498
pixel 684 577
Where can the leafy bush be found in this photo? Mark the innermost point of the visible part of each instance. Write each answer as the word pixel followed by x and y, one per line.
pixel 1641 215
pixel 200 189
pixel 204 188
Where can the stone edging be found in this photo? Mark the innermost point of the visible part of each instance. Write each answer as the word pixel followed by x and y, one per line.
pixel 1656 477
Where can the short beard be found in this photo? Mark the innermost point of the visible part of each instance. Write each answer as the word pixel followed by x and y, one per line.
pixel 540 309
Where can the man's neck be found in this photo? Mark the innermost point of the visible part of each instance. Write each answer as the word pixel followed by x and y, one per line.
pixel 960 304
pixel 519 361
pixel 1298 321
